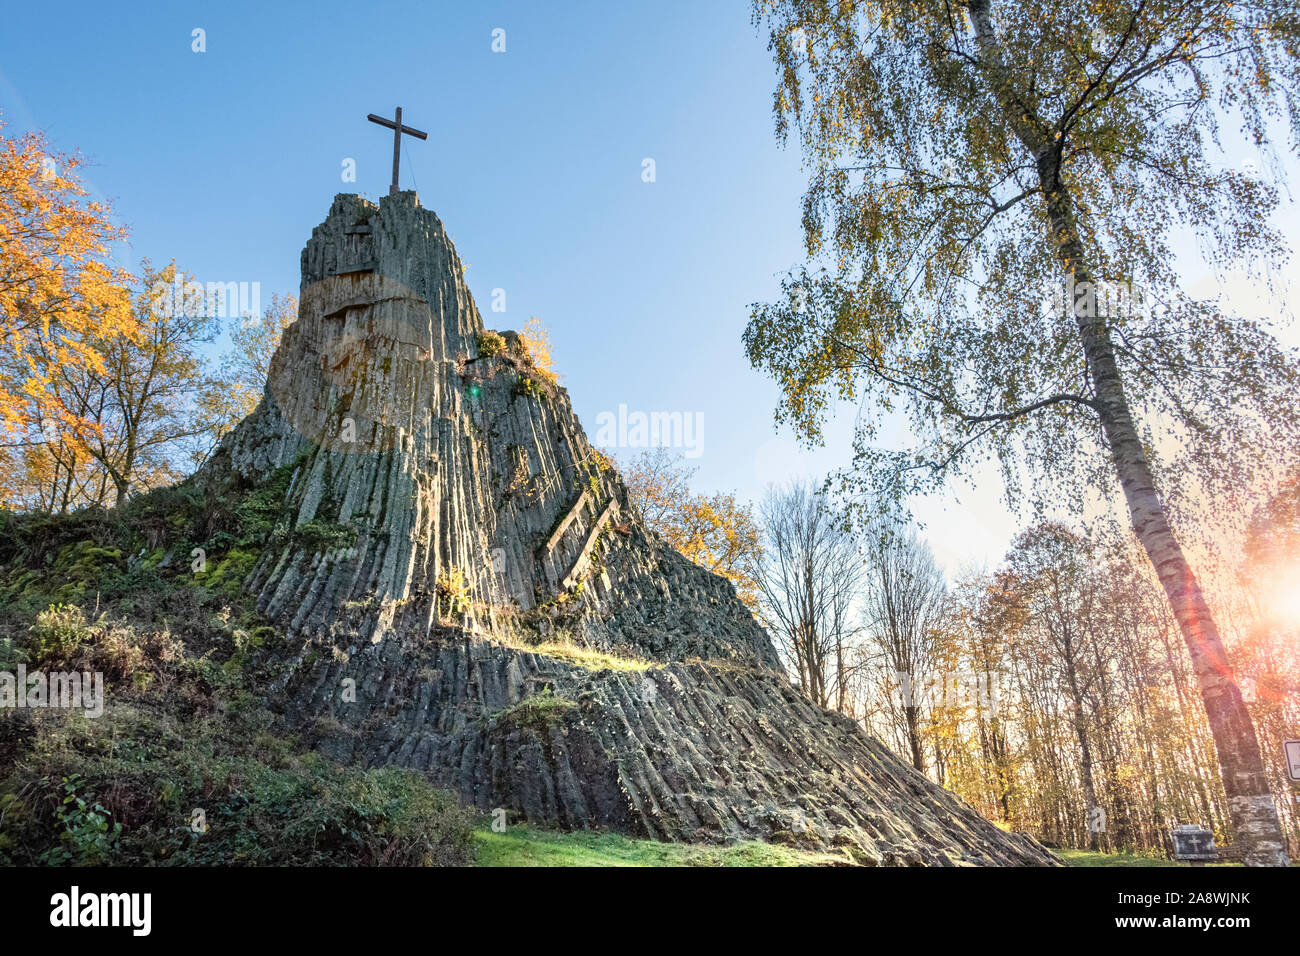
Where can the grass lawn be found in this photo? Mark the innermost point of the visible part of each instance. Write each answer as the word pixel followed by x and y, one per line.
pixel 1088 858
pixel 524 846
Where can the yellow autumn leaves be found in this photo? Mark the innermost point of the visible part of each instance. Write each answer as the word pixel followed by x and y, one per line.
pixel 58 284
pixel 104 390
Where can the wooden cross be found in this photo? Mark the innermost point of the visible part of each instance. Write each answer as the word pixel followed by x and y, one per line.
pixel 398 129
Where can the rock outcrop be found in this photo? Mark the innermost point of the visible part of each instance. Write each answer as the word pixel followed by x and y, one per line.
pixel 465 588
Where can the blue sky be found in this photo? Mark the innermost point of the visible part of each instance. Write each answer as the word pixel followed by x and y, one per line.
pixel 225 160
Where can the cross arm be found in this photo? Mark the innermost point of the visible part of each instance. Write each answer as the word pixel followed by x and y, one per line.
pixel 409 130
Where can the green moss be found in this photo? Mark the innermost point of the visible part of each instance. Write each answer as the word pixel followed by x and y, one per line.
pixel 78 570
pixel 262 512
pixel 34 539
pixel 180 512
pixel 23 590
pixel 231 569
pixel 247 640
pixel 152 559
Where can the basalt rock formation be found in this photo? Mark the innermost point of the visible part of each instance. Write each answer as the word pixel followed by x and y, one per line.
pixel 465 588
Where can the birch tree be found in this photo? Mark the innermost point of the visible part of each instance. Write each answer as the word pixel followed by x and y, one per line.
pixel 996 187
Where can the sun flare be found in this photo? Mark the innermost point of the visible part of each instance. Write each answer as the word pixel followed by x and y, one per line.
pixel 1282 599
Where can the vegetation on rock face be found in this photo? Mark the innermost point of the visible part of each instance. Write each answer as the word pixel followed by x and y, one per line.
pixel 527 353
pixel 539 712
pixel 528 386
pixel 317 535
pixel 490 343
pixel 535 342
pixel 452 591
pixel 261 513
pixel 558 643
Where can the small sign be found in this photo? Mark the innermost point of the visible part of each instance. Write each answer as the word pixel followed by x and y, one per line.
pixel 1194 844
pixel 1291 751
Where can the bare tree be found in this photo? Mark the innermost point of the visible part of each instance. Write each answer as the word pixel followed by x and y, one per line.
pixel 905 604
pixel 1056 584
pixel 808 579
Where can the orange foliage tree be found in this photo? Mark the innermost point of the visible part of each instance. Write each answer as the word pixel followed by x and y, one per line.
pixel 537 342
pixel 59 293
pixel 717 532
